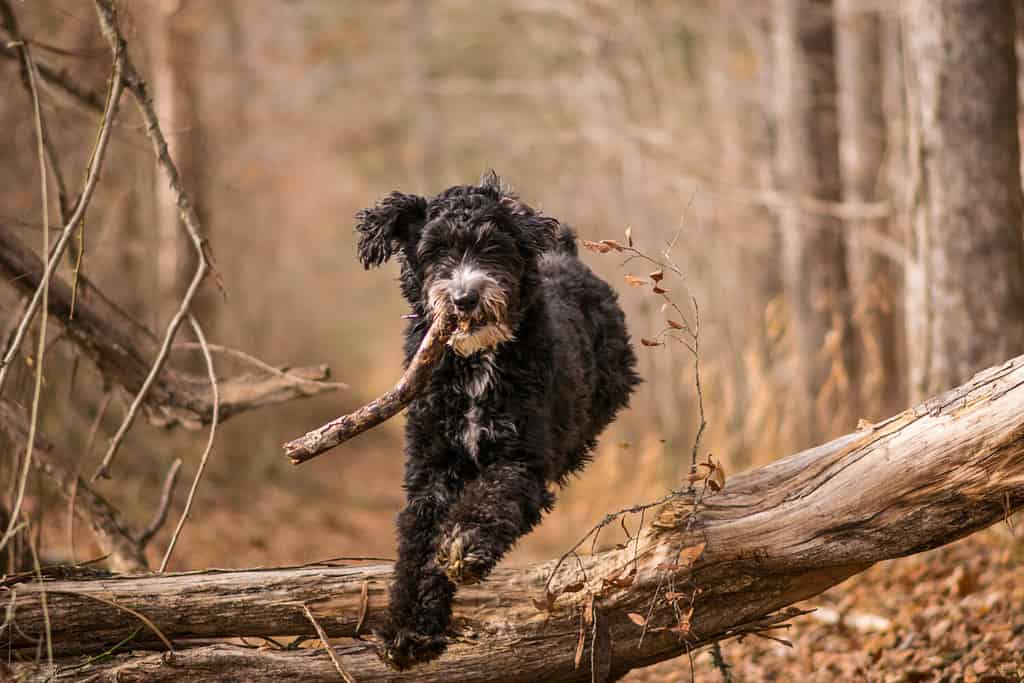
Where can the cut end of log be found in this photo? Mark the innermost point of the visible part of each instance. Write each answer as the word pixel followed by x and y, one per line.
pixel 382 408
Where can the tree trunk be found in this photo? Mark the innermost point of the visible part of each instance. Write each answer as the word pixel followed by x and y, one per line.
pixel 175 53
pixel 813 253
pixel 862 132
pixel 965 270
pixel 770 538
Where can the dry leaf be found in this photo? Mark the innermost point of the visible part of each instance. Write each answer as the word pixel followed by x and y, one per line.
pixel 675 324
pixel 657 275
pixel 636 618
pixel 629 235
pixel 687 556
pixel 659 290
pixel 545 605
pixel 649 342
pixel 612 244
pixel 596 246
pixel 574 587
pixel 634 281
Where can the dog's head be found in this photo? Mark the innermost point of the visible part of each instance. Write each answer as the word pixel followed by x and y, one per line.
pixel 468 256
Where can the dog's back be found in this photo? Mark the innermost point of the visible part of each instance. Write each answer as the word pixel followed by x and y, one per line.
pixel 595 365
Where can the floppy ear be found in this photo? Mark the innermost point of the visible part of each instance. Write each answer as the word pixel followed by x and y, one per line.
pixel 392 223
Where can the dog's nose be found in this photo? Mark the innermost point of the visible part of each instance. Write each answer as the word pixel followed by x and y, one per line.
pixel 466 300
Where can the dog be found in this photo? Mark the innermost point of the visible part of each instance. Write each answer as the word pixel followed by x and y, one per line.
pixel 539 363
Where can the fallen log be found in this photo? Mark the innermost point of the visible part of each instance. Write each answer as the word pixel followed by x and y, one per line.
pixel 772 537
pixel 382 408
pixel 123 350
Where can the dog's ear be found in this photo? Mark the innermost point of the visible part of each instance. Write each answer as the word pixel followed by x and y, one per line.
pixel 539 233
pixel 392 223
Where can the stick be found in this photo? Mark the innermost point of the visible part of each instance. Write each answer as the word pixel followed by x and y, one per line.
pixel 383 408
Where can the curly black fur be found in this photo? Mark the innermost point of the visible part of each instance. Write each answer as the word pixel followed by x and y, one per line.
pixel 543 365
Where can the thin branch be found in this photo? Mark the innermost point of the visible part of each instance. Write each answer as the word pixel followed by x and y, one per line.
pixel 88 99
pixel 262 365
pixel 209 444
pixel 40 352
pixel 166 495
pixel 327 646
pixel 107 14
pixel 92 178
pixel 42 599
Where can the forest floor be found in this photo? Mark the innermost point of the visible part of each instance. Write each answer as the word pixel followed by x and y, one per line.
pixel 949 615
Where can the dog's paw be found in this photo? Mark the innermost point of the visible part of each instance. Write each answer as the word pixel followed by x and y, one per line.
pixel 462 558
pixel 403 649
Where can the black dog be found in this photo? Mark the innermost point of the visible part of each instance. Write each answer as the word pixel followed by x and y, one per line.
pixel 539 364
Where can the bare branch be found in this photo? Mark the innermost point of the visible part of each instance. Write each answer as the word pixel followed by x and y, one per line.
pixel 166 495
pixel 91 179
pixel 209 444
pixel 343 428
pixel 107 14
pixel 120 347
pixel 40 353
pixel 112 535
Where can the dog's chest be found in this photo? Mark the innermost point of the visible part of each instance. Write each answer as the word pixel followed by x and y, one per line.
pixel 480 423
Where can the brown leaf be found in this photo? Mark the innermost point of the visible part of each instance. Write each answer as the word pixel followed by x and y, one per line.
pixel 634 281
pixel 657 275
pixel 612 244
pixel 687 556
pixel 574 587
pixel 629 235
pixel 659 290
pixel 637 619
pixel 675 324
pixel 649 342
pixel 596 246
pixel 545 605
pixel 716 474
pixel 672 596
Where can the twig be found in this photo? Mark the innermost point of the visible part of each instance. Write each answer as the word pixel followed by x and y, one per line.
pixel 40 352
pixel 209 444
pixel 89 99
pixel 170 482
pixel 92 178
pixel 262 365
pixel 107 14
pixel 90 440
pixel 42 601
pixel 345 676
pixel 381 408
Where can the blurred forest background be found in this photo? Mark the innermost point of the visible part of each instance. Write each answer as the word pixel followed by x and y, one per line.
pixel 845 204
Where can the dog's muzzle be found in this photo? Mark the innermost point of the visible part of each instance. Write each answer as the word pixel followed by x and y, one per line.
pixel 477 307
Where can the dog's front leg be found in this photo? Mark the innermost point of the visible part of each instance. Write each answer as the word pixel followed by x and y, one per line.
pixel 421 595
pixel 493 512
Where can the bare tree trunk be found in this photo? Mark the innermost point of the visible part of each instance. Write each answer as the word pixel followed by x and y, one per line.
pixel 769 538
pixel 965 270
pixel 174 53
pixel 862 129
pixel 813 253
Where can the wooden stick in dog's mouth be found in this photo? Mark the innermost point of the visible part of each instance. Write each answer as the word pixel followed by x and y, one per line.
pixel 382 408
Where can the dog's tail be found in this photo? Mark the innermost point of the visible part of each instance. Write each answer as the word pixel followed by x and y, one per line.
pixel 566 240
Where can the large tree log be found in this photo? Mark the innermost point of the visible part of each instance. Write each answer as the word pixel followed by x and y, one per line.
pixel 123 350
pixel 770 538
